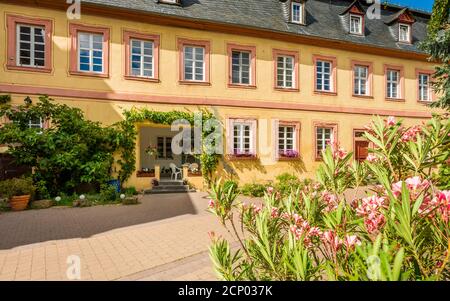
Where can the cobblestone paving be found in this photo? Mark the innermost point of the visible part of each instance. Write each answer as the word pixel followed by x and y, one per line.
pixel 166 239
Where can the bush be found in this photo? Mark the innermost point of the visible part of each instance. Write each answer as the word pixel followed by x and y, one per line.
pixel 399 231
pixel 254 190
pixel 287 183
pixel 71 151
pixel 16 187
pixel 130 191
pixel 108 193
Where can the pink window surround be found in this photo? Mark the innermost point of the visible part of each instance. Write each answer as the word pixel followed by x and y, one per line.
pixel 333 126
pixel 252 50
pixel 431 91
pixel 129 35
pixel 199 43
pixel 294 54
pixel 12 22
pixel 230 136
pixel 74 29
pixel 297 127
pixel 333 61
pixel 401 89
pixel 369 66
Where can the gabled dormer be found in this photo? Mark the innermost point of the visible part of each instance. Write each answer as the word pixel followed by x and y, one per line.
pixel 353 18
pixel 400 25
pixel 294 11
pixel 174 2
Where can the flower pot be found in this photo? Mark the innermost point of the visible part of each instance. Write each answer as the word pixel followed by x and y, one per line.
pixel 19 203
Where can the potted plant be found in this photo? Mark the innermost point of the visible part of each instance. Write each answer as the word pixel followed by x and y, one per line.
pixel 18 192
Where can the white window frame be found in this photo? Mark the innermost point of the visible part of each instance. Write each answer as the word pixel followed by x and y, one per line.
pixel 300 7
pixel 322 75
pixel 91 50
pixel 284 140
pixel 142 57
pixel 359 81
pixel 359 29
pixel 323 140
pixel 424 87
pixel 284 71
pixel 391 84
pixel 408 33
pixel 39 125
pixel 32 43
pixel 241 66
pixel 241 139
pixel 193 63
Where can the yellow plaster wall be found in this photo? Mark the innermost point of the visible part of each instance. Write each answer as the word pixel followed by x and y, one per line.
pixel 109 112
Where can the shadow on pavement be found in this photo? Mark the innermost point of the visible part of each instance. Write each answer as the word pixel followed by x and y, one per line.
pixel 34 226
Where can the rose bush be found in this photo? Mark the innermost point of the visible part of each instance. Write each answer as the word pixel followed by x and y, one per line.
pixel 399 231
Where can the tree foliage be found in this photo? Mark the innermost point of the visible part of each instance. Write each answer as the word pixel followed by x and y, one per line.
pixel 69 151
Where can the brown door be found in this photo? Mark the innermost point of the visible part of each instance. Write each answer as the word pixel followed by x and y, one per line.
pixel 9 169
pixel 361 150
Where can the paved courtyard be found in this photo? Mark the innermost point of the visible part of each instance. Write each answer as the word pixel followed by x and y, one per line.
pixel 163 238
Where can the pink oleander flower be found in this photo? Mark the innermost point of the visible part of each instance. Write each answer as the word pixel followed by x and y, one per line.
pixel 275 212
pixel 315 231
pixel 211 204
pixel 269 190
pixel 330 200
pixel 256 209
pixel 370 209
pixel 411 134
pixel 374 222
pixel 316 186
pixel 341 153
pixel 330 239
pixel 397 188
pixel 285 215
pixel 371 158
pixel 391 121
pixel 297 218
pixel 416 183
pixel 351 241
pixel 212 235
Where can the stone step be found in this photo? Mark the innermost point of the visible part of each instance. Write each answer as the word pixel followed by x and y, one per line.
pixel 163 190
pixel 171 187
pixel 170 182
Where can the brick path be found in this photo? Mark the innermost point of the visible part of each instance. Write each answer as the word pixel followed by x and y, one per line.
pixel 161 243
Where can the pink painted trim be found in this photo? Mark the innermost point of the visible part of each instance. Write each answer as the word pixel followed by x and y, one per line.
pixel 252 50
pixel 147 98
pixel 369 66
pixel 74 29
pixel 400 69
pixel 319 124
pixel 297 126
pixel 186 42
pixel 333 61
pixel 11 23
pixel 127 36
pixel 295 55
pixel 432 93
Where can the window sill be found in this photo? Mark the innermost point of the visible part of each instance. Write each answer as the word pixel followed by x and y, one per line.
pixel 194 83
pixel 280 89
pixel 89 74
pixel 30 69
pixel 363 96
pixel 317 92
pixel 425 102
pixel 143 79
pixel 193 175
pixel 395 99
pixel 241 86
pixel 143 174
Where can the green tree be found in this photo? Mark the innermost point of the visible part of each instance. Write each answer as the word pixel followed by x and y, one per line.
pixel 72 150
pixel 437 45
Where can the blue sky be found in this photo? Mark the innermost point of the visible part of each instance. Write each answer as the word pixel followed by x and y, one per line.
pixel 426 5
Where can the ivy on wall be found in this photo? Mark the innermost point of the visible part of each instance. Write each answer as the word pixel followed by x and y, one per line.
pixel 127 140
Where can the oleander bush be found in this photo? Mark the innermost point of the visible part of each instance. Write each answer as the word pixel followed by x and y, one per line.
pixel 398 231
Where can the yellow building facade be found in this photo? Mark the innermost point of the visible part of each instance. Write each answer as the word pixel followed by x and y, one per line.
pixel 104 98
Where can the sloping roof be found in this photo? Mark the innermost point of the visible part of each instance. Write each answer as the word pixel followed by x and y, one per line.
pixel 322 18
pixel 354 3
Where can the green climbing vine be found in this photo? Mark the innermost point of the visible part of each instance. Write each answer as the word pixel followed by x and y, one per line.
pixel 127 139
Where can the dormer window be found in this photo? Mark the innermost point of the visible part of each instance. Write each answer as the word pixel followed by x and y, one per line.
pixel 404 33
pixel 297 12
pixel 356 24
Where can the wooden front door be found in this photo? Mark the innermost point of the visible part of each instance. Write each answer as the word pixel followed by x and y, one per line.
pixel 361 150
